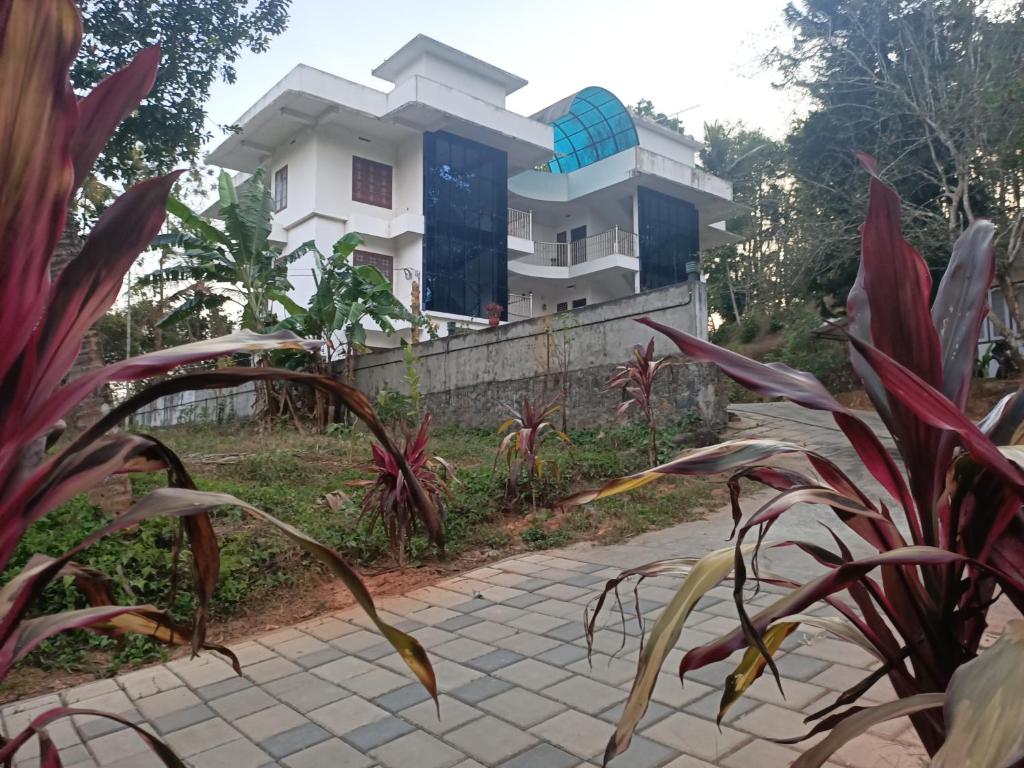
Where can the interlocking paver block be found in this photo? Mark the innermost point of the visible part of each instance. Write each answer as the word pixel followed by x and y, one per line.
pixel 374 683
pixel 223 688
pixel 355 641
pixel 99 688
pixel 434 614
pixel 182 718
pixel 451 675
pixel 251 653
pixel 585 695
pixel 772 722
pixel 294 740
pixel 202 736
pixel 453 714
pixel 609 670
pixel 116 746
pixel 261 725
pixel 461 649
pixel 537 622
pixel 460 621
pixel 797 667
pixel 332 629
pixel 521 707
pixel 575 732
pixel 487 631
pixel 760 754
pixel 417 749
pixel 347 714
pixel 304 692
pixel 698 737
pixel 234 754
pixel 164 703
pixel 495 660
pixel 202 670
pixel 402 698
pixel 527 643
pixel 333 753
pixel 532 674
pixel 655 712
pixel 644 753
pixel 501 613
pixel 242 703
pixel 670 691
pixel 562 655
pixel 490 740
pixel 708 706
pixel 372 735
pixel 796 694
pixel 343 669
pixel 271 669
pixel 378 651
pixel 542 756
pixel 298 647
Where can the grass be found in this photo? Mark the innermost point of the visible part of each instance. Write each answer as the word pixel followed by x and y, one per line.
pixel 288 475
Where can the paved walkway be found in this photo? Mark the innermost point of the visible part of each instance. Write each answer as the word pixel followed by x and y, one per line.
pixel 517 690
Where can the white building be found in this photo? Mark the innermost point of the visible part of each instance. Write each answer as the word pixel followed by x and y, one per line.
pixel 472 203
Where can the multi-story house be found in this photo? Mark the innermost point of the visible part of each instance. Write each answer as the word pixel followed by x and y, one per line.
pixel 463 202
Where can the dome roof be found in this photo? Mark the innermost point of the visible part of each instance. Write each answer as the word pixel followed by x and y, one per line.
pixel 589 126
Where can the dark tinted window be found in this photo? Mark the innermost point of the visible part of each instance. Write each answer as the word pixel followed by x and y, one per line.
pixel 577 303
pixel 465 244
pixel 669 238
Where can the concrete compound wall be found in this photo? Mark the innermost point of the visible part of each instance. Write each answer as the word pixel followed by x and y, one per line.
pixel 202 407
pixel 469 379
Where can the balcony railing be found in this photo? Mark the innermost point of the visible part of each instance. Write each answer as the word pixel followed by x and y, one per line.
pixel 520 306
pixel 520 224
pixel 614 242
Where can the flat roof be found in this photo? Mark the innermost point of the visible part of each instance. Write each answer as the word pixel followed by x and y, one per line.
pixel 421 44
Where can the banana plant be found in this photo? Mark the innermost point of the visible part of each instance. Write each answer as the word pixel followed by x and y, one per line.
pixel 237 264
pixel 50 140
pixel 947 538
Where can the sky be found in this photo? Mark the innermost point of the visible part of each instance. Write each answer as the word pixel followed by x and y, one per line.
pixel 699 57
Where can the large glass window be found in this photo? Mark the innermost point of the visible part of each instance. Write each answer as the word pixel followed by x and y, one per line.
pixel 465 244
pixel 669 238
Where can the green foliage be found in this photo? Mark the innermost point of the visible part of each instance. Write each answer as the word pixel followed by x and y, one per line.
pixel 236 264
pixel 200 42
pixel 805 350
pixel 645 108
pixel 749 328
pixel 539 537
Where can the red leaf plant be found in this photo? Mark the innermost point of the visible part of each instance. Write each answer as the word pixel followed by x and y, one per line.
pixel 944 547
pixel 388 497
pixel 526 432
pixel 636 378
pixel 49 140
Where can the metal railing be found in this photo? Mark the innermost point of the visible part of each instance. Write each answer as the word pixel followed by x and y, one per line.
pixel 520 306
pixel 520 224
pixel 614 242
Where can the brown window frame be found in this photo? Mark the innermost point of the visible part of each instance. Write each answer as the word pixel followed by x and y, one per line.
pixel 361 258
pixel 372 182
pixel 281 190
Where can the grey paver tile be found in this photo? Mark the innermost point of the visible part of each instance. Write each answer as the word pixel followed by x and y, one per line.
pixel 139 684
pixel 333 753
pixel 237 705
pixel 797 667
pixel 372 735
pixel 477 690
pixel 760 754
pixel 234 754
pixel 116 746
pixel 343 669
pixel 463 620
pixel 403 698
pixel 160 704
pixel 347 714
pixel 527 643
pixel 433 614
pixel 696 736
pixel 223 688
pixel 707 707
pixel 575 732
pixel 202 670
pixel 202 736
pixel 355 641
pixel 374 683
pixel 542 756
pixel 97 688
pixel 495 660
pixel 772 722
pixel 644 753
pixel 304 692
pixel 294 740
pixel 182 718
pixel 521 707
pixel 453 714
pixel 655 712
pixel 532 674
pixel 525 600
pixel 487 631
pixel 568 632
pixel 461 649
pixel 613 671
pixel 271 669
pixel 332 629
pixel 451 675
pixel 538 622
pixel 417 749
pixel 261 725
pixel 562 655
pixel 490 740
pixel 319 658
pixel 584 694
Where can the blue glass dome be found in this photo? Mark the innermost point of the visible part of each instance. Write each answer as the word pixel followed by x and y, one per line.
pixel 589 126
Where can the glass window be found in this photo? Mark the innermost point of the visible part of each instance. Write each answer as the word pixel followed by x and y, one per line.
pixel 381 261
pixel 596 126
pixel 281 188
pixel 371 182
pixel 577 303
pixel 563 306
pixel 669 238
pixel 465 243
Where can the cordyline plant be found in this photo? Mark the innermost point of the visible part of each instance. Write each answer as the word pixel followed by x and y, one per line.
pixel 49 140
pixel 389 498
pixel 949 542
pixel 528 430
pixel 636 378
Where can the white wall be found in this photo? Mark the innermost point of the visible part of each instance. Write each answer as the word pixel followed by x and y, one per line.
pixel 457 77
pixel 656 141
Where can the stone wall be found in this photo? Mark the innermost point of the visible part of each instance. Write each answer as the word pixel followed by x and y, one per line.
pixel 469 379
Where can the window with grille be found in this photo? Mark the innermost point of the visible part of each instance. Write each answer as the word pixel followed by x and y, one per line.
pixel 281 189
pixel 563 306
pixel 371 182
pixel 577 303
pixel 381 261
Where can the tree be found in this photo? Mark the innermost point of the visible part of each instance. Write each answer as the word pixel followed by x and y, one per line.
pixel 756 272
pixel 236 264
pixel 645 108
pixel 933 89
pixel 200 41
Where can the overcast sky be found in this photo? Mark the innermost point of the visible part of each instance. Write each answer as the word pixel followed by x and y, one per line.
pixel 702 57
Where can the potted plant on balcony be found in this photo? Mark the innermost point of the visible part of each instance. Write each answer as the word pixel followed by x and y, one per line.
pixel 493 310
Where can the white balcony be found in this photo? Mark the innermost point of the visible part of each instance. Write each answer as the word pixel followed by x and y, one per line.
pixel 519 307
pixel 520 224
pixel 619 246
